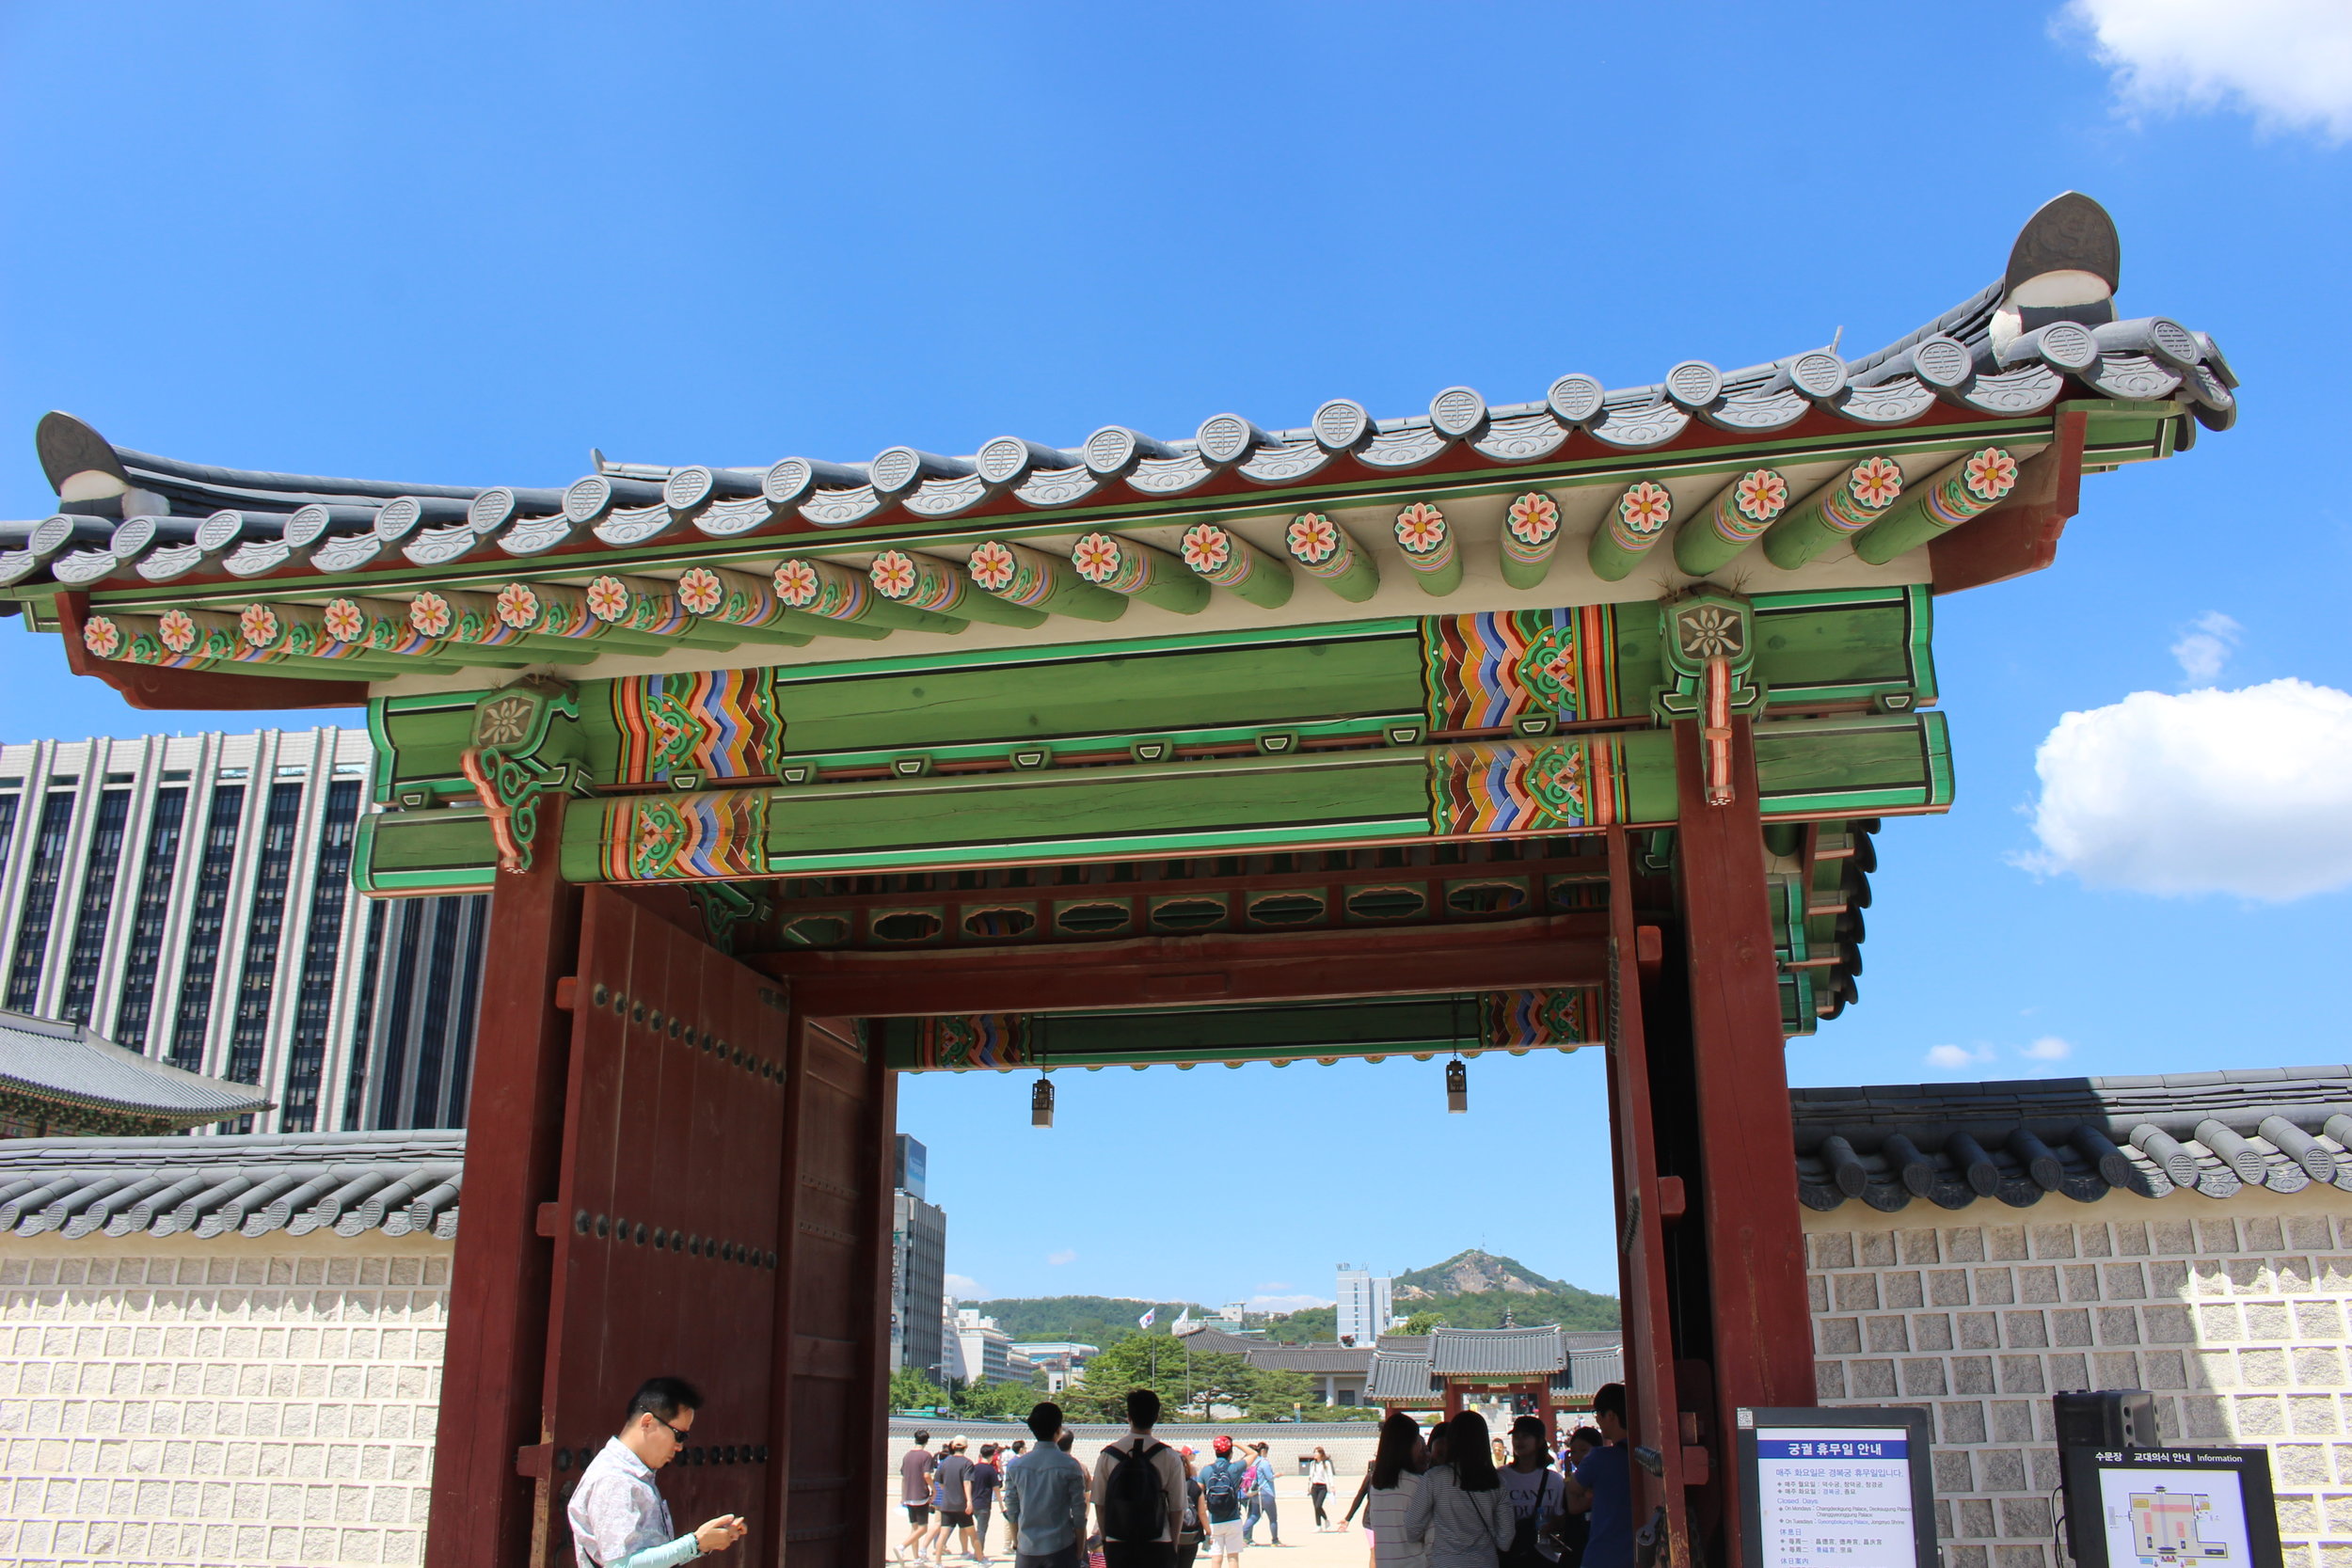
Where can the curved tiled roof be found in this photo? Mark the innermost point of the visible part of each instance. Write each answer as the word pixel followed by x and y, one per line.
pixel 2005 351
pixel 347 1183
pixel 2216 1134
pixel 1496 1352
pixel 68 1065
pixel 1399 1376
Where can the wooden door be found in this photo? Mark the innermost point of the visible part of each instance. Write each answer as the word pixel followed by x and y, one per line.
pixel 667 1252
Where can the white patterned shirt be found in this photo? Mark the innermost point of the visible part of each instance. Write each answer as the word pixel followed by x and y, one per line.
pixel 617 1511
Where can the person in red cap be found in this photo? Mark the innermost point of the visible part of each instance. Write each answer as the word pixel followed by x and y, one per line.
pixel 1222 1500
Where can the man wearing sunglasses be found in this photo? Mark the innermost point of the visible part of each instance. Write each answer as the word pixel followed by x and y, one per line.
pixel 618 1517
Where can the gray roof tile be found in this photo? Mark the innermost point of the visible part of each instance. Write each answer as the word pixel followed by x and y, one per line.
pixel 2216 1133
pixel 350 1182
pixel 264 523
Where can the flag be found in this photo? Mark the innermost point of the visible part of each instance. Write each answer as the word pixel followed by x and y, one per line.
pixel 1183 1323
pixel 1145 1321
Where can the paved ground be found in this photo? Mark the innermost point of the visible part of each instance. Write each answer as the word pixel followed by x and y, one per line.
pixel 1302 1547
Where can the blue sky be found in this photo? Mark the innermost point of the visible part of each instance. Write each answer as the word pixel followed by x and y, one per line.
pixel 465 242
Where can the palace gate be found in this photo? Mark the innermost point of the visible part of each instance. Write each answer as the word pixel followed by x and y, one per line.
pixel 1492 729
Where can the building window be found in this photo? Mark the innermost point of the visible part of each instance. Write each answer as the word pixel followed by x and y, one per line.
pixel 39 901
pixel 162 859
pixel 194 1011
pixel 98 905
pixel 8 819
pixel 264 924
pixel 433 1047
pixel 322 944
pixel 364 1017
pixel 473 913
pixel 390 1111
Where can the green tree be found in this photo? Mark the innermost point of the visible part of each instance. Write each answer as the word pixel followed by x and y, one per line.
pixel 1422 1322
pixel 911 1391
pixel 996 1399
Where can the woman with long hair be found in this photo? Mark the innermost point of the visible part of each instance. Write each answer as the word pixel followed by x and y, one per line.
pixel 1319 1486
pixel 1461 1512
pixel 1389 1484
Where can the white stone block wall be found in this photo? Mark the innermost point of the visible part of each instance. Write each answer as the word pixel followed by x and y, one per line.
pixel 2232 1311
pixel 222 1402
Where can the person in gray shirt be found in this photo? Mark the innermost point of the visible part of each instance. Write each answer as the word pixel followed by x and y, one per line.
pixel 1045 1499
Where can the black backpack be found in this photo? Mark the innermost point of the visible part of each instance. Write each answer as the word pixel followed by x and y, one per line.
pixel 1221 1492
pixel 1135 1504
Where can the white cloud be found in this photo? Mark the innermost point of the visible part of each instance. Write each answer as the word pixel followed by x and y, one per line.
pixel 2286 62
pixel 2247 792
pixel 964 1287
pixel 1065 1256
pixel 1955 1059
pixel 2206 646
pixel 1287 1304
pixel 2049 1047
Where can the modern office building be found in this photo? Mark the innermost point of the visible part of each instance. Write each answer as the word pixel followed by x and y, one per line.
pixel 189 898
pixel 1367 1301
pixel 918 1275
pixel 983 1351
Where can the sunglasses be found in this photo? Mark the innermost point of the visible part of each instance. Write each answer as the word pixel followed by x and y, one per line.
pixel 676 1436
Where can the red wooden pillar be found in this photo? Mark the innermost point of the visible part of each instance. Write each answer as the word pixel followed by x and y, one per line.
pixel 1762 1330
pixel 1649 1346
pixel 497 1301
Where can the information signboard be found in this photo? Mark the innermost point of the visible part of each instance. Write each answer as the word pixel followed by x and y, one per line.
pixel 2170 1508
pixel 1843 1488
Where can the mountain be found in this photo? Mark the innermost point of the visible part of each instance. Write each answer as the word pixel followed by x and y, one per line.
pixel 1471 1290
pixel 1475 1272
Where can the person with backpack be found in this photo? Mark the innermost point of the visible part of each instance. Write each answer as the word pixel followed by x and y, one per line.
pixel 1461 1511
pixel 1538 1498
pixel 1222 1499
pixel 1139 1491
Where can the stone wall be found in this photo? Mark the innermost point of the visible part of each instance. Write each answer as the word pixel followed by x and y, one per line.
pixel 2231 1312
pixel 271 1400
pixel 219 1401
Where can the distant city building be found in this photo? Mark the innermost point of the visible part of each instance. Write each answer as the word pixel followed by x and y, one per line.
pixel 1367 1301
pixel 983 1350
pixel 1062 1361
pixel 189 898
pixel 918 1274
pixel 1232 1312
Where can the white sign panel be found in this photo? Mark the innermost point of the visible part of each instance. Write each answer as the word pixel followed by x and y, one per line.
pixel 1836 1497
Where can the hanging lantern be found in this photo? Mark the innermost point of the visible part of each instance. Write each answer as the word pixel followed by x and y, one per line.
pixel 1457 1088
pixel 1041 1102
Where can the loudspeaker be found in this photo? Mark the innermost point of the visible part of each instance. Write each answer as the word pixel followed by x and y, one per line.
pixel 2106 1419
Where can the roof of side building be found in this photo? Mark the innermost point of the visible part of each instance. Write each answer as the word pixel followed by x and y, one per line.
pixel 68 1065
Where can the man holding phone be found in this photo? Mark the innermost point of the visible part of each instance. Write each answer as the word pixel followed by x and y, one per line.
pixel 618 1517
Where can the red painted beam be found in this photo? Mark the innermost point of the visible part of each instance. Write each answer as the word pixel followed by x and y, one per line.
pixel 499 1276
pixel 2020 535
pixel 1559 950
pixel 1755 1246
pixel 152 689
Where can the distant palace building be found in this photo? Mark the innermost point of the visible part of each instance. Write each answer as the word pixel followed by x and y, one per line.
pixel 189 898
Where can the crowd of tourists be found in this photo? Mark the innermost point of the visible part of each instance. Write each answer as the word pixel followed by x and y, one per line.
pixel 1454 1497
